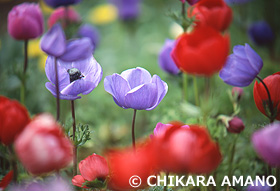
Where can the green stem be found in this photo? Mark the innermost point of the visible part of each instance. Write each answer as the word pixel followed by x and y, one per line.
pixel 231 157
pixel 57 90
pixel 167 176
pixel 74 139
pixel 25 65
pixel 133 129
pixel 195 91
pixel 271 117
pixel 13 163
pixel 277 186
pixel 185 86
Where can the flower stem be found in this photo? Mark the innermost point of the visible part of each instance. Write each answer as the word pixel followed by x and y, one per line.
pixel 185 86
pixel 25 65
pixel 277 175
pixel 231 157
pixel 133 127
pixel 74 139
pixel 269 99
pixel 13 163
pixel 195 91
pixel 57 90
pixel 184 14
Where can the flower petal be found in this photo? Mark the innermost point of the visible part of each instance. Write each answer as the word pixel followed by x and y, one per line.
pixel 161 90
pixel 52 89
pixel 142 97
pixel 136 76
pixel 63 76
pixel 54 41
pixel 254 59
pixel 77 87
pixel 77 50
pixel 117 86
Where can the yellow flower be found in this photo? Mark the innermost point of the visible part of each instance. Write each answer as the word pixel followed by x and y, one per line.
pixel 34 49
pixel 42 61
pixel 45 8
pixel 103 14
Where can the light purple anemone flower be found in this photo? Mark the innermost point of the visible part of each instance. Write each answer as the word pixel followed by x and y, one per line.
pixel 79 77
pixel 241 67
pixel 267 144
pixel 136 89
pixel 165 60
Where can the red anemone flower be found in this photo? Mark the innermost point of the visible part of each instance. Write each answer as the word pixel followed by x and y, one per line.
pixel 201 52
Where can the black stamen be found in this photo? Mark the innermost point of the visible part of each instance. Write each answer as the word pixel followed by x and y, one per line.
pixel 74 74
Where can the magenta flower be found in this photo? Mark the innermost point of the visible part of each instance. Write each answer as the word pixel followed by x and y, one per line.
pixel 25 21
pixel 54 44
pixel 136 89
pixel 267 144
pixel 78 77
pixel 58 3
pixel 165 60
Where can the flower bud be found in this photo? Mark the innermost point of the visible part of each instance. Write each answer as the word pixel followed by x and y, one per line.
pixel 13 118
pixel 91 32
pixel 25 21
pixel 237 93
pixel 235 125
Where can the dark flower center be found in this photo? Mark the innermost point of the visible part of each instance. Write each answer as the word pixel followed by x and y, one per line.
pixel 74 74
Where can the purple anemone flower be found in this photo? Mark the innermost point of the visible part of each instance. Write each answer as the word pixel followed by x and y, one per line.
pixel 136 89
pixel 261 33
pixel 259 187
pixel 232 2
pixel 127 9
pixel 51 184
pixel 54 44
pixel 192 2
pixel 241 67
pixel 165 60
pixel 54 41
pixel 267 144
pixel 79 77
pixel 58 3
pixel 91 32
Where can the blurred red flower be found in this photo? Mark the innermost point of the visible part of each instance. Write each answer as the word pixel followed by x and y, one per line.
pixel 126 163
pixel 13 118
pixel 92 167
pixel 6 180
pixel 201 52
pixel 42 147
pixel 261 98
pixel 214 13
pixel 187 150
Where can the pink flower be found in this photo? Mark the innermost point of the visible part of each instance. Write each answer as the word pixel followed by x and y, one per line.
pixel 42 147
pixel 61 14
pixel 91 168
pixel 25 21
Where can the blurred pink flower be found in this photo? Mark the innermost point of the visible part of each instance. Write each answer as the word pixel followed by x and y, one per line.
pixel 61 14
pixel 42 147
